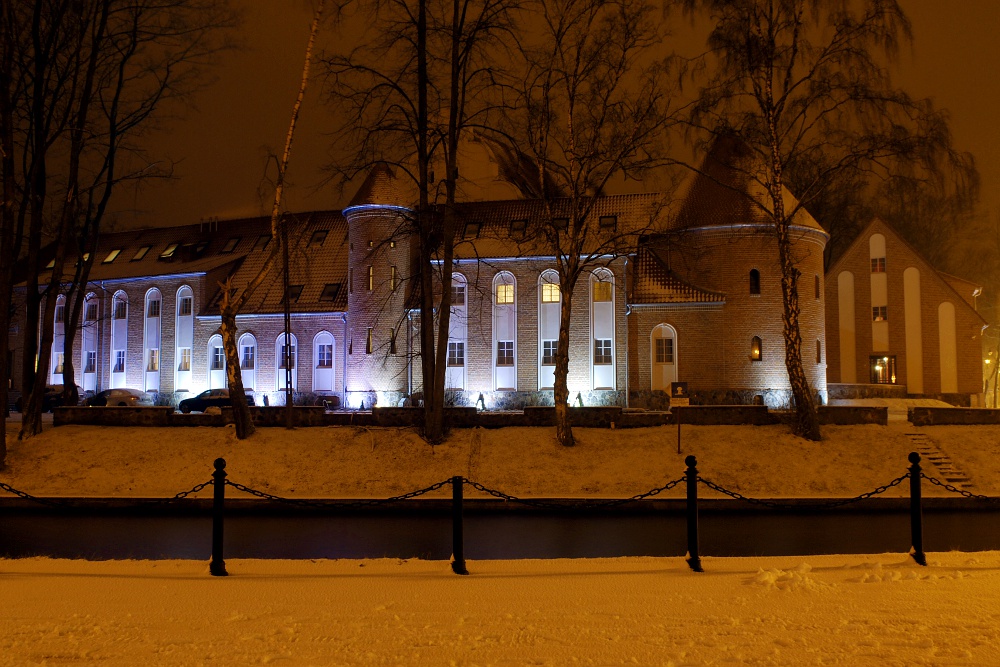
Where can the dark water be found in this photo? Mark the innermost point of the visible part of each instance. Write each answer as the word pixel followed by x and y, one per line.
pixel 490 535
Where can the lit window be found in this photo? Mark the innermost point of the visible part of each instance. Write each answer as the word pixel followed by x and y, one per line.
pixel 330 292
pixel 392 278
pixel 505 353
pixel 112 256
pixel 880 313
pixel 324 356
pixel 119 361
pixel 169 251
pixel 607 222
pixel 602 351
pixel 154 308
pixel 878 264
pixel 90 312
pixel 456 354
pixel 51 264
pixel 548 352
pixel 184 355
pixel 883 369
pixel 550 293
pixel 602 291
pixel 154 360
pixel 371 244
pixel 318 237
pixel 505 293
pixel 756 351
pixel 249 356
pixel 458 295
pixel 754 281
pixel 664 350
pixel 230 245
pixel 90 365
pixel 60 362
pixel 392 244
pixel 371 278
pixel 218 358
pixel 121 309
pixel 184 306
pixel 140 253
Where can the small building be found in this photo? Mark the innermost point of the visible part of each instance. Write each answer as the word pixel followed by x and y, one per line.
pixel 898 327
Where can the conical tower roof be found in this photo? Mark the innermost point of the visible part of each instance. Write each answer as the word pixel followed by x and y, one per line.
pixel 381 188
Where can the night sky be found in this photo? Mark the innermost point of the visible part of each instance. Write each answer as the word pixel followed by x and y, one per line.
pixel 220 145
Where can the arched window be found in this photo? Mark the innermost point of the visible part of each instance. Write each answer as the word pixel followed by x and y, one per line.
pixel 323 356
pixel 216 363
pixel 754 281
pixel 151 341
pixel 458 333
pixel 549 315
pixel 58 358
pixel 285 358
pixel 119 338
pixel 504 331
pixel 88 342
pixel 183 338
pixel 602 327
pixel 756 349
pixel 663 356
pixel 247 347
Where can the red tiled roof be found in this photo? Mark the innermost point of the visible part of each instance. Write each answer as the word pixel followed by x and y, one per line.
pixel 382 187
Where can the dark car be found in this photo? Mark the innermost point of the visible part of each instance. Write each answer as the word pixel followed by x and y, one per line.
pixel 210 398
pixel 120 397
pixel 52 398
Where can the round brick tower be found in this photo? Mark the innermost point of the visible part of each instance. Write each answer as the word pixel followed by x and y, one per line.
pixel 378 336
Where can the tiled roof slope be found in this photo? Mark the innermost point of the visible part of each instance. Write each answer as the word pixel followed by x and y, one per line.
pixel 722 192
pixel 965 288
pixel 655 283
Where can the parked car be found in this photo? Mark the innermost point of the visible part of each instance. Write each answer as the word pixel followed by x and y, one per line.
pixel 210 398
pixel 119 397
pixel 51 399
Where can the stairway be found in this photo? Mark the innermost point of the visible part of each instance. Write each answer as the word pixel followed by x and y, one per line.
pixel 943 467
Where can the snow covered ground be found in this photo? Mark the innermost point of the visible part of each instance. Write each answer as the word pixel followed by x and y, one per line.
pixel 821 610
pixel 816 610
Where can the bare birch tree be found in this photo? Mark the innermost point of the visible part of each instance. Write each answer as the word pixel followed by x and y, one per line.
pixel 802 82
pixel 426 78
pixel 591 108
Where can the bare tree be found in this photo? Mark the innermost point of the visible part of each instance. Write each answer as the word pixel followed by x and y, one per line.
pixel 802 82
pixel 235 299
pixel 81 82
pixel 414 91
pixel 591 108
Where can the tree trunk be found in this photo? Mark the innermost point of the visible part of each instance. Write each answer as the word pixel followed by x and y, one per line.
pixel 560 389
pixel 234 374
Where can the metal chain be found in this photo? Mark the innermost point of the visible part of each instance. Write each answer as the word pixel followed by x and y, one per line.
pixel 828 505
pixel 561 506
pixel 336 503
pixel 949 487
pixel 183 494
pixel 28 496
pixel 61 504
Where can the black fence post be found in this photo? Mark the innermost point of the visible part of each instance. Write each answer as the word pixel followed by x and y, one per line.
pixel 218 566
pixel 457 536
pixel 693 560
pixel 916 512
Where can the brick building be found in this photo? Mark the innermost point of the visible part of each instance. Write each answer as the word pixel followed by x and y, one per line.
pixel 677 289
pixel 896 322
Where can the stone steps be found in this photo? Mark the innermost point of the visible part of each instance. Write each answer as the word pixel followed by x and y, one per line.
pixel 943 465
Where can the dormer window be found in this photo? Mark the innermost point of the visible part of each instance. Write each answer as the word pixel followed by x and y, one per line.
pixel 51 264
pixel 199 248
pixel 230 245
pixel 330 292
pixel 169 251
pixel 294 292
pixel 262 241
pixel 518 228
pixel 608 222
pixel 141 253
pixel 471 230
pixel 562 224
pixel 318 237
pixel 112 256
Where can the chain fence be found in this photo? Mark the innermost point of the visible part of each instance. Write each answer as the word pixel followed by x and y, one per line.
pixel 337 503
pixel 595 504
pixel 962 492
pixel 774 504
pixel 138 503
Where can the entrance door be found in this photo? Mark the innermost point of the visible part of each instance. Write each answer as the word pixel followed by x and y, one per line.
pixel 663 349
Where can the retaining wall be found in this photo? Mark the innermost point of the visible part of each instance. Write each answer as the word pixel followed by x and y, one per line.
pixel 843 415
pixel 943 416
